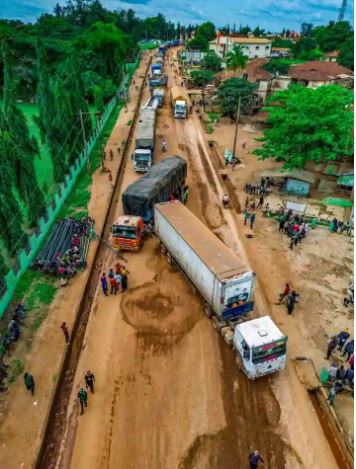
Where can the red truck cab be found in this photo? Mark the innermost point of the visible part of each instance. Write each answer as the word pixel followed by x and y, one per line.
pixel 127 233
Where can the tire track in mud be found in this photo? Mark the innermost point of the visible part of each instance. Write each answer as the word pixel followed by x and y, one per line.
pixel 252 414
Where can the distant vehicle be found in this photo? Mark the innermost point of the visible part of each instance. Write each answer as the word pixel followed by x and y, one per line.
pixel 163 181
pixel 145 139
pixel 225 283
pixel 156 68
pixel 178 102
pixel 159 80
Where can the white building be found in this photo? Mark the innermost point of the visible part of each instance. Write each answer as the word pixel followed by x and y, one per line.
pixel 254 47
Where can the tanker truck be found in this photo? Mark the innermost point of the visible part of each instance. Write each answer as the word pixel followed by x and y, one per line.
pixel 178 102
pixel 226 285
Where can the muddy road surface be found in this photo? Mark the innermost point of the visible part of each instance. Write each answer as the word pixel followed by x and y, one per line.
pixel 168 392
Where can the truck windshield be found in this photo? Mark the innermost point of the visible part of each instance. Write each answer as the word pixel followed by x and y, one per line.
pixel 266 352
pixel 142 158
pixel 180 108
pixel 124 231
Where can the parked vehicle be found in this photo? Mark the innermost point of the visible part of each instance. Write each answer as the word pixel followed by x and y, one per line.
pixel 178 102
pixel 163 181
pixel 145 139
pixel 225 283
pixel 158 93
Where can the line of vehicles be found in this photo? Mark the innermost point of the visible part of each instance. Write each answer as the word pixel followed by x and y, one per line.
pixel 156 204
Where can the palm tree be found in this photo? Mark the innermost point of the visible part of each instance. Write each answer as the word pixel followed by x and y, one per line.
pixel 236 59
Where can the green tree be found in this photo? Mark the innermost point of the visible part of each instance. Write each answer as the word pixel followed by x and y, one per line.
pixel 278 66
pixel 333 36
pixel 236 59
pixel 307 29
pixel 299 132
pixel 205 33
pixel 98 99
pixel 257 32
pixel 346 57
pixel 304 46
pixel 279 42
pixel 25 148
pixel 229 93
pixel 212 62
pixel 201 77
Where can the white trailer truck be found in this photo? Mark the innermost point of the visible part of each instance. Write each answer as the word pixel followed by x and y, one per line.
pixel 223 280
pixel 145 139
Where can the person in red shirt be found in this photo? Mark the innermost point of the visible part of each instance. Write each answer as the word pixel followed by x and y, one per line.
pixel 285 293
pixel 296 228
pixel 113 285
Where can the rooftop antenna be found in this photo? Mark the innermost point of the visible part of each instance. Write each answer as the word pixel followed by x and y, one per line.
pixel 342 11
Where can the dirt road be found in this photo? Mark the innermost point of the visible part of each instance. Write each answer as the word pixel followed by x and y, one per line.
pixel 168 393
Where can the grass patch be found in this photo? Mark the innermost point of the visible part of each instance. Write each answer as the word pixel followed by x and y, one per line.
pixel 213 116
pixel 16 369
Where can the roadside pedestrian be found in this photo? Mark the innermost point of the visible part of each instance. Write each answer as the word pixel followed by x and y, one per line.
pixel 89 381
pixel 243 144
pixel 118 150
pixel 104 283
pixel 225 200
pixel 285 293
pixel 252 220
pixel 110 176
pixel 343 336
pixel 118 278
pixel 349 350
pixel 118 268
pixel 247 200
pixel 83 399
pixel 124 279
pixel 164 145
pixel 233 162
pixel 253 205
pixel 282 221
pixel 254 459
pixel 341 373
pixel 29 383
pixel 111 155
pixel 331 346
pixel 65 332
pixel 291 301
pixel 113 285
pixel 246 216
pixel 260 203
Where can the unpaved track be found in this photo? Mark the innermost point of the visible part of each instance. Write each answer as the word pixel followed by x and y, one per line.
pixel 168 392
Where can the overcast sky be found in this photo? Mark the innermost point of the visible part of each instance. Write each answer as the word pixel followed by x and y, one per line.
pixel 270 14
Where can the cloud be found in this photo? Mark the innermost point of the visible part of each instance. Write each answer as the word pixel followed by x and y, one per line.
pixel 137 2
pixel 268 14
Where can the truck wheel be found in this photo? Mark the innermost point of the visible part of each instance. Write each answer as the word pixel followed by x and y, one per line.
pixel 170 258
pixel 163 249
pixel 238 361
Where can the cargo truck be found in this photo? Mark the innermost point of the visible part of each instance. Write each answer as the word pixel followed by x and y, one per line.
pixel 163 181
pixel 158 93
pixel 178 102
pixel 145 140
pixel 159 80
pixel 226 285
pixel 156 68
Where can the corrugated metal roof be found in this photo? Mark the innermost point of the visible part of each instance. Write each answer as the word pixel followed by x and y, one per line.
pixel 299 174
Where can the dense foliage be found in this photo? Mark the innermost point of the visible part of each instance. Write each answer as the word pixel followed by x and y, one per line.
pixel 212 62
pixel 201 78
pixel 204 33
pixel 279 66
pixel 229 93
pixel 308 125
pixel 236 59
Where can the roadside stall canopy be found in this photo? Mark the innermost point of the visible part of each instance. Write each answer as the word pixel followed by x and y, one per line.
pixel 346 180
pixel 298 180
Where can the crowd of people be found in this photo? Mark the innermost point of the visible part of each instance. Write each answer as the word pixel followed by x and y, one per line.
pixel 115 280
pixel 293 226
pixel 341 371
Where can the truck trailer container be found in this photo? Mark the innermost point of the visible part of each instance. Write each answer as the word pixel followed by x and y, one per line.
pixel 145 140
pixel 225 283
pixel 164 181
pixel 223 280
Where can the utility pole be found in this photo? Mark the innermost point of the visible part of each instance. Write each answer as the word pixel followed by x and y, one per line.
pixel 85 140
pixel 237 123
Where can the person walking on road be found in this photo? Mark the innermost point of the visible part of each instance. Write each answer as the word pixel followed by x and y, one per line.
pixel 83 400
pixel 331 346
pixel 104 283
pixel 164 145
pixel 349 350
pixel 285 293
pixel 252 220
pixel 65 332
pixel 124 279
pixel 291 301
pixel 254 459
pixel 29 383
pixel 89 381
pixel 260 203
pixel 225 200
pixel 246 216
pixel 343 336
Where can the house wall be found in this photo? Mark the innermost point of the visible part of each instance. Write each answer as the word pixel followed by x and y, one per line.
pixel 264 86
pixel 280 83
pixel 257 50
